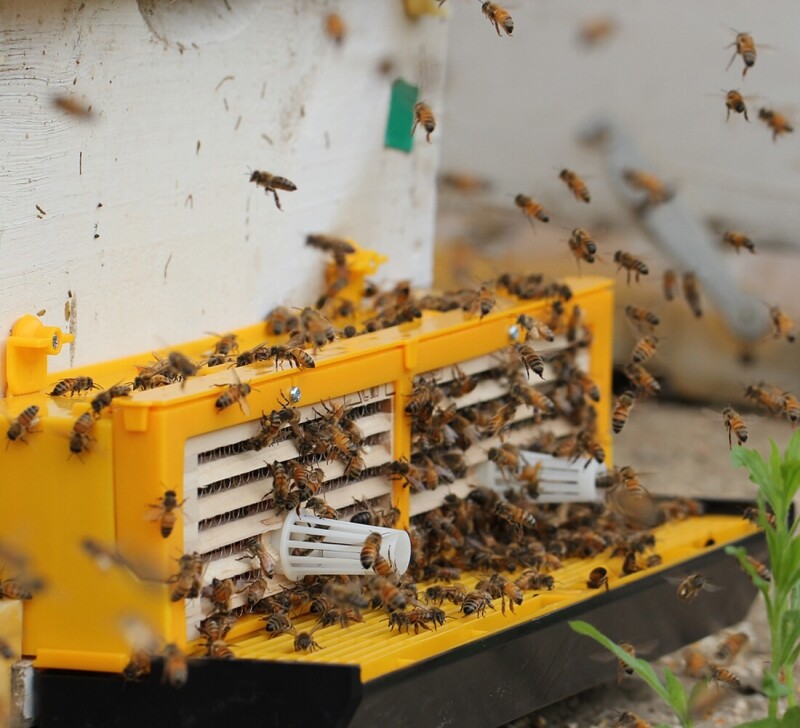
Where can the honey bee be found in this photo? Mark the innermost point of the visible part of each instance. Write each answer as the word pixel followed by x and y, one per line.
pixel 23 424
pixel 627 719
pixel 321 508
pixel 691 293
pixel 72 106
pixel 219 650
pixel 642 380
pixel 630 264
pixel 386 593
pixel 782 325
pixel 317 330
pixel 476 602
pixel 272 183
pixel 498 17
pixel 181 366
pixel 594 31
pixel 530 358
pixel 371 550
pixel 234 393
pixel 295 355
pixel 382 566
pixel 762 572
pixel 576 185
pixel 622 410
pixel 189 579
pixel 655 189
pixel 80 438
pixel 598 577
pixel 738 241
pixel 17 589
pixel 722 675
pixel 103 556
pixel 304 641
pixel 790 407
pixel 338 247
pixel 744 47
pixel 104 398
pixel 582 246
pixel 734 101
pixel 574 323
pixel 176 667
pixel 166 510
pixel 516 517
pixel 6 651
pixel 463 182
pixel 461 384
pixel 335 28
pixel 138 666
pixel 695 664
pixel 690 587
pixel 735 425
pixel 455 593
pixel 531 209
pixel 481 301
pixel 642 319
pixel 776 121
pixel 424 116
pixel 280 319
pixel 277 624
pixel 533 579
pixel 74 385
pixel 644 349
pixel 219 593
pixel 629 565
pixel 765 397
pixel 731 646
pixel 751 514
pixel 628 497
pixel 507 459
pixel 507 590
pixel 670 284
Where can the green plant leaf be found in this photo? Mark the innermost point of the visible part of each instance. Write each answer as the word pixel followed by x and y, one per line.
pixel 772 686
pixel 640 667
pixel 677 695
pixel 758 469
pixel 790 473
pixel 790 719
pixel 792 451
pixel 790 632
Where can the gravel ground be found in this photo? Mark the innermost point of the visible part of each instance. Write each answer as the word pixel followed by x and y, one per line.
pixel 685 451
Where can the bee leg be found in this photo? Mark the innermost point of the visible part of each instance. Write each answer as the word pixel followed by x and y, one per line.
pixel 733 57
pixel 277 201
pixel 728 115
pixel 746 118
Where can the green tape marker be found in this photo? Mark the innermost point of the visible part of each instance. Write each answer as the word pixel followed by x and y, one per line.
pixel 401 116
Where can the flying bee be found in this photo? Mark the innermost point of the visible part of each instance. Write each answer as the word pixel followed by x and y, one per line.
pixel 598 577
pixel 18 588
pixel 731 646
pixel 642 380
pixel 722 675
pixel 642 319
pixel 74 385
pixel 735 425
pixel 104 398
pixel 189 579
pixel 498 17
pixel 738 241
pixel 776 121
pixel 630 264
pixel 582 246
pixel 531 209
pixel 272 183
pixel 690 587
pixel 790 407
pixel 655 190
pixel 622 410
pixel 530 358
pixel 317 330
pixel 234 393
pixel 138 666
pixel 166 510
pixel 576 185
pixel 281 319
pixel 335 28
pixel 596 30
pixel 386 593
pixel 181 366
pixel 734 101
pixel 670 283
pixel 764 396
pixel 476 603
pixel 371 550
pixel 424 116
pixel 80 438
pixel 176 667
pixel 338 247
pixel 644 349
pixel 516 517
pixel 304 641
pixel 628 497
pixel 782 325
pixel 691 292
pixel 535 328
pixel 745 47
pixel 480 302
pixel 695 664
pixel 762 572
pixel 574 324
pixel 23 424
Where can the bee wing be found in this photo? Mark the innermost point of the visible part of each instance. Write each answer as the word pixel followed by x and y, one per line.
pixel 675 580
pixel 244 406
pixel 639 508
pixel 154 512
pixel 139 634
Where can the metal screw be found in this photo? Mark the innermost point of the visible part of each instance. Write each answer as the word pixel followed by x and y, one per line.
pixel 55 342
pixel 295 394
pixel 513 332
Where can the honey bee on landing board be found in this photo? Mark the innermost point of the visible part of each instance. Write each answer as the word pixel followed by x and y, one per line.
pixel 234 393
pixel 23 424
pixel 272 183
pixel 73 385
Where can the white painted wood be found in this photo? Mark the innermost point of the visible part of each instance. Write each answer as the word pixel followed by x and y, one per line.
pixel 186 243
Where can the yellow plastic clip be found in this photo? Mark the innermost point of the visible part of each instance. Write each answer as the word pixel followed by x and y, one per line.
pixel 29 345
